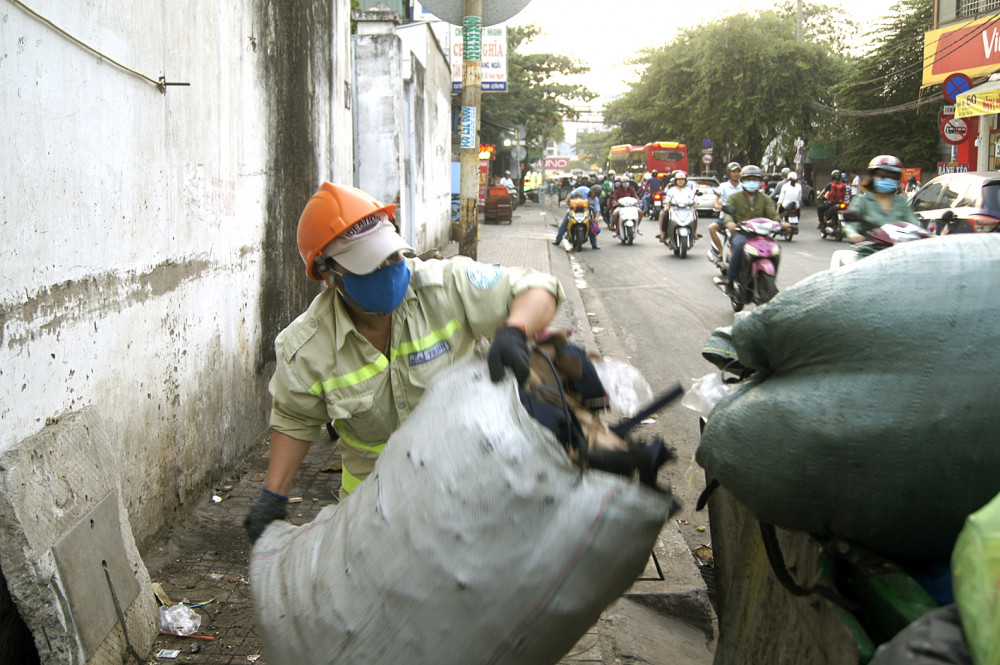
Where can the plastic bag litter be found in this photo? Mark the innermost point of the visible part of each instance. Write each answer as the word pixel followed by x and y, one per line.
pixel 628 391
pixel 705 393
pixel 474 540
pixel 179 619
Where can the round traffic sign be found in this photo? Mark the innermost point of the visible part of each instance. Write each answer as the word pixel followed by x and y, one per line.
pixel 954 131
pixel 518 152
pixel 955 85
pixel 453 11
pixel 706 158
pixel 707 143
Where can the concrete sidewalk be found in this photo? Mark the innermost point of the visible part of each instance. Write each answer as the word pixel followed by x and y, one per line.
pixel 664 618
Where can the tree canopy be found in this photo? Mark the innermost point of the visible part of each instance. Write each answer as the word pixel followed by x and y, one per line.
pixel 886 77
pixel 743 80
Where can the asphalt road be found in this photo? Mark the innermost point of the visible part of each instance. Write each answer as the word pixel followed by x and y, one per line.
pixel 657 310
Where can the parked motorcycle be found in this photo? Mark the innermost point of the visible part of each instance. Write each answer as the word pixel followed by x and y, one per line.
pixel 756 282
pixel 834 225
pixel 628 219
pixel 579 222
pixel 877 239
pixel 791 215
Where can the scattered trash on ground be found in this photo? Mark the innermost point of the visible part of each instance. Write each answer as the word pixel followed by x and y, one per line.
pixel 333 468
pixel 169 654
pixel 179 619
pixel 295 499
pixel 161 595
pixel 704 555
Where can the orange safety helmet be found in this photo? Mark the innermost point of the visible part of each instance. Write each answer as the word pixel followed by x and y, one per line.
pixel 328 213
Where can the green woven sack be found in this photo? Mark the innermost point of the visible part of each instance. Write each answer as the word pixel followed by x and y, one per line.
pixel 874 410
pixel 975 569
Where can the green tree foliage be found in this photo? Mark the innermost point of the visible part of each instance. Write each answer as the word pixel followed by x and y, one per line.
pixel 889 76
pixel 742 80
pixel 538 94
pixel 595 146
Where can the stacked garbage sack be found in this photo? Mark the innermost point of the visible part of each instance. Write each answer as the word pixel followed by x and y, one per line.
pixel 874 407
pixel 475 540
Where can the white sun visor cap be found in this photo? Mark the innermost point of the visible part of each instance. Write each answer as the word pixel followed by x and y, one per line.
pixel 366 244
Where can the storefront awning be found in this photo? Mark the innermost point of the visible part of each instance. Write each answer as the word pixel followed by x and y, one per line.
pixel 984 99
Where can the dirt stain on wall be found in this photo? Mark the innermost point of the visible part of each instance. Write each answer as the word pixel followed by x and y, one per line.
pixel 298 46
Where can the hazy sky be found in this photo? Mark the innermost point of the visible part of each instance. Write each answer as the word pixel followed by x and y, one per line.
pixel 595 32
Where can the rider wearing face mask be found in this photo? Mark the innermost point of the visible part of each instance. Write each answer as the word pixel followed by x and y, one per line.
pixel 884 204
pixel 748 203
pixel 369 344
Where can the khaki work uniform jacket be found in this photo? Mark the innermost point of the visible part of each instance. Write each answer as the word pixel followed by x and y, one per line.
pixel 327 371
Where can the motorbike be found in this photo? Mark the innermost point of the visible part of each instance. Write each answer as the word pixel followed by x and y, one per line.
pixel 685 219
pixel 512 191
pixel 877 239
pixel 656 205
pixel 791 215
pixel 579 222
pixel 628 219
pixel 833 227
pixel 756 282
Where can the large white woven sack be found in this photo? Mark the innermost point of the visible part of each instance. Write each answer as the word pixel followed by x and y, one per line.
pixel 475 540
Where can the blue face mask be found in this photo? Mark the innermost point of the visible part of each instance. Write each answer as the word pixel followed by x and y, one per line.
pixel 886 185
pixel 381 291
pixel 751 185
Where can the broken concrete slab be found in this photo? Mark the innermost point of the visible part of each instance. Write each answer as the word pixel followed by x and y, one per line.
pixel 55 487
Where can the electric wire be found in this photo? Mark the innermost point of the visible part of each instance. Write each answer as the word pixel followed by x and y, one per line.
pixel 158 83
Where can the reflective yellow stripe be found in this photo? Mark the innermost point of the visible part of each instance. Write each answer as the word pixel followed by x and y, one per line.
pixel 348 481
pixel 427 341
pixel 339 426
pixel 352 379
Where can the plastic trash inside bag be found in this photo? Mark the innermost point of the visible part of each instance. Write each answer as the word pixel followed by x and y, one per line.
pixel 474 540
pixel 627 389
pixel 179 619
pixel 705 393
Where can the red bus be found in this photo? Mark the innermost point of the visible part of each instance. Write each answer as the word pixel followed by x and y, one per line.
pixel 662 156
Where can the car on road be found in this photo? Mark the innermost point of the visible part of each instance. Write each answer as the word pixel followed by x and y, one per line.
pixel 973 198
pixel 705 191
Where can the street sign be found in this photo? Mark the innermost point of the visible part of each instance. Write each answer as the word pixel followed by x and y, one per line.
pixel 954 131
pixel 556 163
pixel 955 85
pixel 706 158
pixel 518 152
pixel 707 143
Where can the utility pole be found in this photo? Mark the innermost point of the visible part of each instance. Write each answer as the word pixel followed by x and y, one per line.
pixel 472 82
pixel 798 21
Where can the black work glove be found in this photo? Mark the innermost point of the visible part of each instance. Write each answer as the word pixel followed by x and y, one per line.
pixel 509 349
pixel 265 509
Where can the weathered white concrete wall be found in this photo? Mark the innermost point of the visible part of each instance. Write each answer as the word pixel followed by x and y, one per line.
pixel 428 93
pixel 402 124
pixel 148 246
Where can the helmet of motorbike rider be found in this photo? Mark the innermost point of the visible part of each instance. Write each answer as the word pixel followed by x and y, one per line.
pixel 835 174
pixel 886 172
pixel 750 178
pixel 680 178
pixel 646 176
pixel 655 173
pixel 595 191
pixel 611 173
pixel 785 171
pixel 792 175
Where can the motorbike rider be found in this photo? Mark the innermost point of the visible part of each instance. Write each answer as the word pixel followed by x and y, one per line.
pixel 677 195
pixel 592 194
pixel 790 193
pixel 884 204
pixel 833 194
pixel 748 203
pixel 775 191
pixel 622 189
pixel 653 185
pixel 726 189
